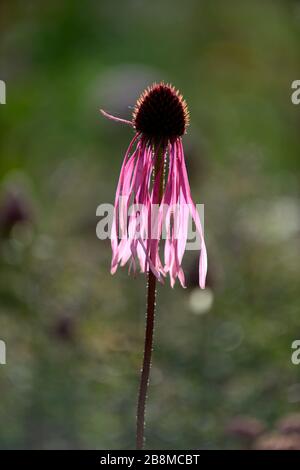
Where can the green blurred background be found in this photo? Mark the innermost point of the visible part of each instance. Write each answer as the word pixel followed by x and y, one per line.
pixel 222 370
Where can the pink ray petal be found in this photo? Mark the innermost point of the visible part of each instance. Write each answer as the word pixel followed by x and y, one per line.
pixel 114 118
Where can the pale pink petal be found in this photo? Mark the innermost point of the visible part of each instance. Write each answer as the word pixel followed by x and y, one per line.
pixel 187 194
pixel 114 118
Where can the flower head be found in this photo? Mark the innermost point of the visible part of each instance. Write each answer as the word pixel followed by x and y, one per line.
pixel 161 112
pixel 154 180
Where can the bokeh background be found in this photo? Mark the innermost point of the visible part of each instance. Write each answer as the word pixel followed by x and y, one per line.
pixel 222 375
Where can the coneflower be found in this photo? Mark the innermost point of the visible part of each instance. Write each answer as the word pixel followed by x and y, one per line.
pixel 154 175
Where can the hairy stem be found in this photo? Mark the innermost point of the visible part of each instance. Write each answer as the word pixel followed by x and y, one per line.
pixel 151 297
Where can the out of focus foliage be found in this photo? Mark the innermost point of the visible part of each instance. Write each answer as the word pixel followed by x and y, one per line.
pixel 74 333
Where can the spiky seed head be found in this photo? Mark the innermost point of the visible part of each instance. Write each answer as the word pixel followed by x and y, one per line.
pixel 161 112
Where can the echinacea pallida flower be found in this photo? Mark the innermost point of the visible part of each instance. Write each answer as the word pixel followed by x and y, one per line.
pixel 154 175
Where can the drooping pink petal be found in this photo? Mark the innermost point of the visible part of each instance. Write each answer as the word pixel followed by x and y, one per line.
pixel 187 194
pixel 115 225
pixel 114 118
pixel 136 235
